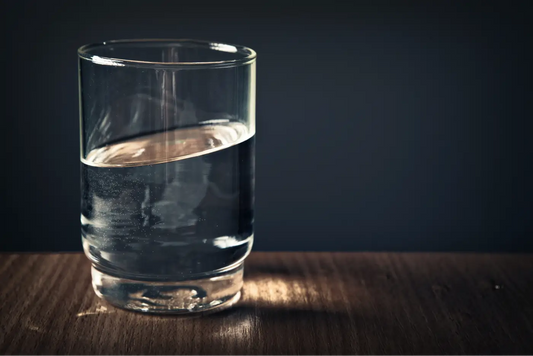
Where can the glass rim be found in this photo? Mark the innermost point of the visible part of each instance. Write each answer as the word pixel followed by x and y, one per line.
pixel 248 54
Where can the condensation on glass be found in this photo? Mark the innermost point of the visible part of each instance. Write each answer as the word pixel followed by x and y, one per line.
pixel 167 133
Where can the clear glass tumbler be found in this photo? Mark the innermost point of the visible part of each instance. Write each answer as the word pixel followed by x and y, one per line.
pixel 167 171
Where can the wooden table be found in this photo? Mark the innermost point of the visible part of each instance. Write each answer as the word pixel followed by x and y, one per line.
pixel 293 303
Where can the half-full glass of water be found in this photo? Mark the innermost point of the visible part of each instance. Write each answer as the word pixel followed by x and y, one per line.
pixel 167 171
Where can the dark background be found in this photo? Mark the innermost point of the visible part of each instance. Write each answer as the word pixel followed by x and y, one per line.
pixel 380 125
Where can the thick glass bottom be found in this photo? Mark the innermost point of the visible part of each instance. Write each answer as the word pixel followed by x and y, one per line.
pixel 218 292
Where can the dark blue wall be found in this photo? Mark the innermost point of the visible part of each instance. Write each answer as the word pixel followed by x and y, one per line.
pixel 381 125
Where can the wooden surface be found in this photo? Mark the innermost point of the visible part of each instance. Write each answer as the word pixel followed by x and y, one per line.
pixel 293 303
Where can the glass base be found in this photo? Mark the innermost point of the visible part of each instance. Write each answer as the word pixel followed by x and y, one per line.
pixel 184 297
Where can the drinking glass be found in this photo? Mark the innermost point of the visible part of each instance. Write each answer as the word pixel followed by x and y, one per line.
pixel 167 171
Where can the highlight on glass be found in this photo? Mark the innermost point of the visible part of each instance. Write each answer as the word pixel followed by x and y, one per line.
pixel 167 145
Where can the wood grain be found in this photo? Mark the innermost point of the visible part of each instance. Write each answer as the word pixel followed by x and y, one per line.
pixel 293 303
